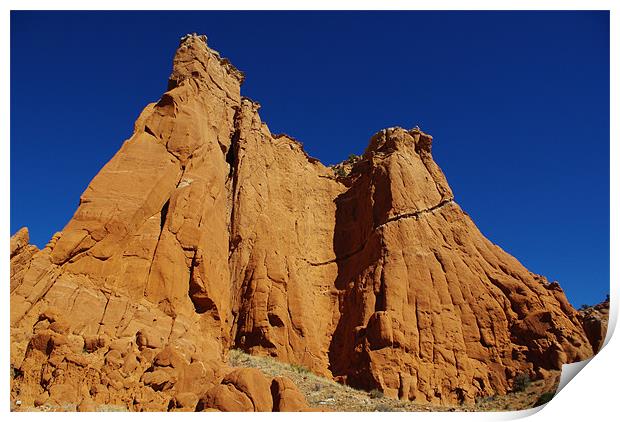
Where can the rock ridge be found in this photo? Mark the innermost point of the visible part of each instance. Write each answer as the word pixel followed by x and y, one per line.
pixel 206 232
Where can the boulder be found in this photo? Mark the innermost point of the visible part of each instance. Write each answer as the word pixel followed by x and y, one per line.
pixel 286 396
pixel 244 389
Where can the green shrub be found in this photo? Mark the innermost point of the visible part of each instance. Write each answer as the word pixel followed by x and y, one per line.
pixel 15 372
pixel 375 394
pixel 353 158
pixel 316 387
pixel 300 369
pixel 521 382
pixel 544 398
pixel 382 407
pixel 486 399
pixel 340 171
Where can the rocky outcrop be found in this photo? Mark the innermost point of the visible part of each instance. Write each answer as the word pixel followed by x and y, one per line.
pixel 247 390
pixel 21 255
pixel 206 232
pixel 595 320
pixel 430 310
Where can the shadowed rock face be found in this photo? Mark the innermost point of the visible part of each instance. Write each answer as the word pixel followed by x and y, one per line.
pixel 206 232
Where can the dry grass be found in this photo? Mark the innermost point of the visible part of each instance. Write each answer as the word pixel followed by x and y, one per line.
pixel 526 399
pixel 326 394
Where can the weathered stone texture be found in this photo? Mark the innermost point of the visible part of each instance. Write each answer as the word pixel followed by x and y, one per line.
pixel 206 232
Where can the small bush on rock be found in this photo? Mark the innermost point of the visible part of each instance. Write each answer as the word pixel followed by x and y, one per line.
pixel 521 382
pixel 544 398
pixel 384 408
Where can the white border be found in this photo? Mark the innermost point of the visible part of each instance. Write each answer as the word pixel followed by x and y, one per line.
pixel 591 396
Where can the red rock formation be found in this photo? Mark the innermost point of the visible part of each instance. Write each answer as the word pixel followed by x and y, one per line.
pixel 21 255
pixel 247 389
pixel 594 320
pixel 206 232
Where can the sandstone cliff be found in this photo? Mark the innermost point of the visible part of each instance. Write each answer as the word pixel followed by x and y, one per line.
pixel 206 232
pixel 595 320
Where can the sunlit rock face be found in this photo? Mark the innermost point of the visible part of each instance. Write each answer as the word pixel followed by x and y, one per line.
pixel 206 232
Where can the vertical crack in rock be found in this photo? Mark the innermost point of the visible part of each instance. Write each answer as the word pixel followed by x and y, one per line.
pixel 163 215
pixel 232 158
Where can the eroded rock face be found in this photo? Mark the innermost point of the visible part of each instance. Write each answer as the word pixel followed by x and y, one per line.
pixel 594 320
pixel 207 232
pixel 430 309
pixel 21 256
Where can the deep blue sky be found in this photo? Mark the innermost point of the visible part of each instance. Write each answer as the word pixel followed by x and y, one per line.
pixel 517 102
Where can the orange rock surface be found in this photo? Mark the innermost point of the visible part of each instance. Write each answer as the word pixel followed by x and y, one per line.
pixel 206 232
pixel 595 320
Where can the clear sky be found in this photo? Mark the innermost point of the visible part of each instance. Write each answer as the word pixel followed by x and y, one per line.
pixel 517 103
